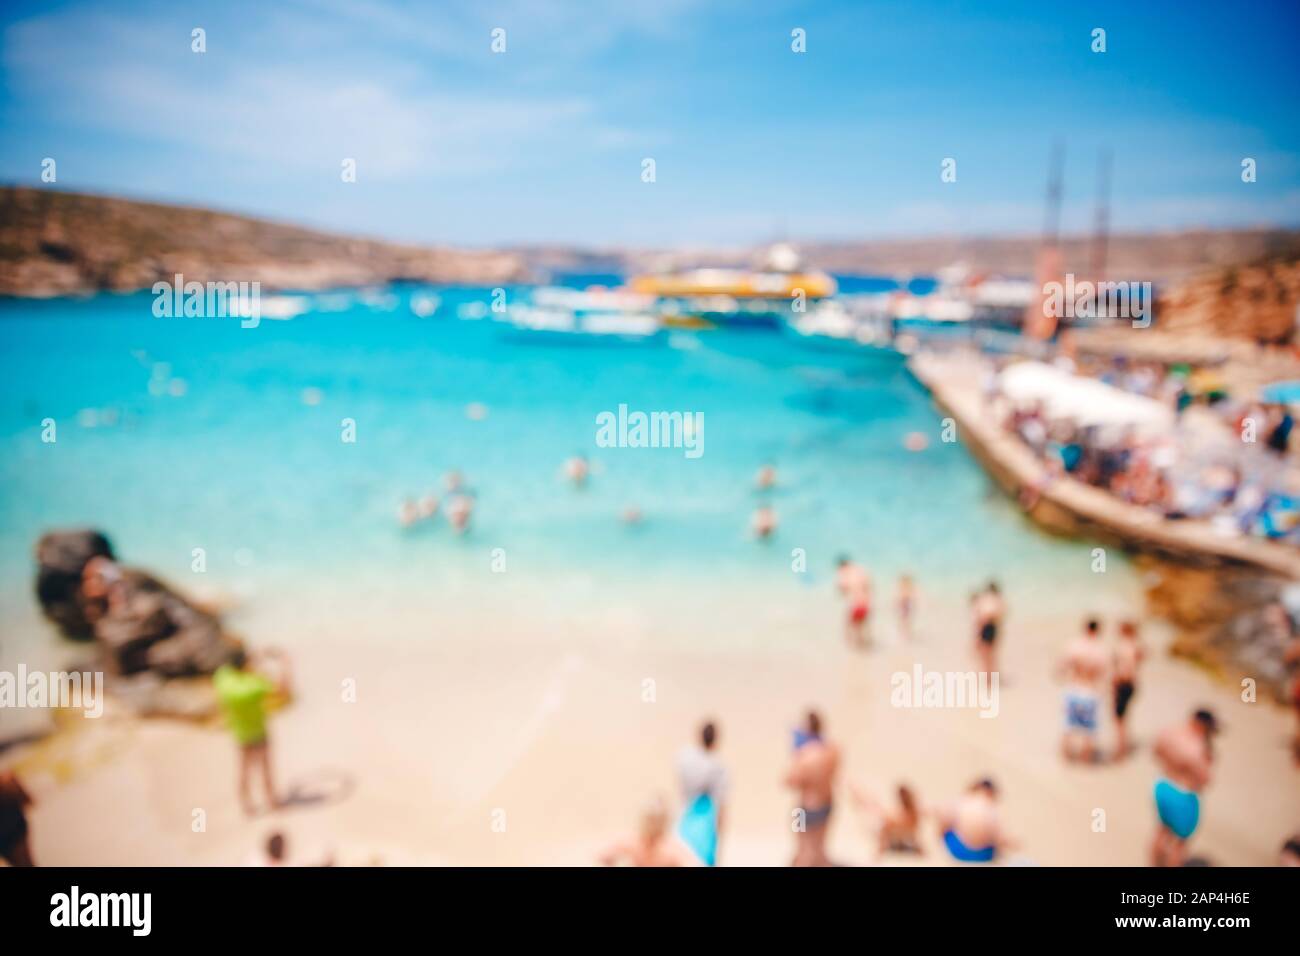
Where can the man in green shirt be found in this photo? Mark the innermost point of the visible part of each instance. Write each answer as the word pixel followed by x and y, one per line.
pixel 242 692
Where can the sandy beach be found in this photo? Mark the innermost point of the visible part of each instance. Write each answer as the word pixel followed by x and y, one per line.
pixel 541 722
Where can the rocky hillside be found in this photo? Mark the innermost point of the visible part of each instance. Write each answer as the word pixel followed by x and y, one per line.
pixel 60 243
pixel 1162 257
pixel 1256 301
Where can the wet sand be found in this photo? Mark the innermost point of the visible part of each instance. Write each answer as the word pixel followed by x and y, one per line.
pixel 541 719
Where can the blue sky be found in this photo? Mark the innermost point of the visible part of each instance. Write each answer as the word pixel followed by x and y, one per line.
pixel 545 142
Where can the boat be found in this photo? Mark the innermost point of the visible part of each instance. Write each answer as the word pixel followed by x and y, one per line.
pixel 568 316
pixel 831 326
pixel 728 297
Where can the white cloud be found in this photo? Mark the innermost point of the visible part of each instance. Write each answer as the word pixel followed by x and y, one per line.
pixel 134 74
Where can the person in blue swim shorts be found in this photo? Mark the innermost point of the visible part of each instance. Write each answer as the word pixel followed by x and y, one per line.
pixel 1185 753
pixel 1084 664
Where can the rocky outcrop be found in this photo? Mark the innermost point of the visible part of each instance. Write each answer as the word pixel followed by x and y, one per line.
pixel 61 556
pixel 1222 619
pixel 60 243
pixel 1254 302
pixel 139 625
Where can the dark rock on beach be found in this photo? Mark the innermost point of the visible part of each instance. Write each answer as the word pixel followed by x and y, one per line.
pixel 145 625
pixel 61 556
pixel 1226 619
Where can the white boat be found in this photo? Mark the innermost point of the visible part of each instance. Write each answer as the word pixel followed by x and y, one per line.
pixel 831 325
pixel 569 315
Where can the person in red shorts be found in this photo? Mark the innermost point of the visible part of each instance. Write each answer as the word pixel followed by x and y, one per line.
pixel 854 584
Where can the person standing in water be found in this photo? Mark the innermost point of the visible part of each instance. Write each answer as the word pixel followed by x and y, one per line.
pixel 854 585
pixel 1185 753
pixel 576 470
pixel 242 692
pixel 987 611
pixel 460 508
pixel 703 782
pixel 813 770
pixel 1084 666
pixel 1128 656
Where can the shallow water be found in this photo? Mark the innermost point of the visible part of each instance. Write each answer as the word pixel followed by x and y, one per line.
pixel 235 461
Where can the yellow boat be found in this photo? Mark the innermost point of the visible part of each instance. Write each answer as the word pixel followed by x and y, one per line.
pixel 763 295
pixel 736 283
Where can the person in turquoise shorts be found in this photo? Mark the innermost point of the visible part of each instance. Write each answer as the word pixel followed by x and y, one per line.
pixel 242 692
pixel 1185 753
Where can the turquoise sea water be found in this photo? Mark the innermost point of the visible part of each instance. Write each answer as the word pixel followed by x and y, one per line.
pixel 234 460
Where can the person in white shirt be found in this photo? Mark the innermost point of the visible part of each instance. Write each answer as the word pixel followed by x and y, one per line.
pixel 700 773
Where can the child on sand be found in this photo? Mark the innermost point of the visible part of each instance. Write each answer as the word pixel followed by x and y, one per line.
pixel 242 692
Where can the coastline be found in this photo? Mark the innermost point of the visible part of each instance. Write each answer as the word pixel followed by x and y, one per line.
pixel 553 729
pixel 1068 506
pixel 1202 582
pixel 523 692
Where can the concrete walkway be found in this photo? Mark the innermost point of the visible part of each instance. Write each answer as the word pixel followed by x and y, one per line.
pixel 1071 506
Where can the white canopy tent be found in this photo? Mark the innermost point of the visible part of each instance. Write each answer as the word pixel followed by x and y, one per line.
pixel 1085 401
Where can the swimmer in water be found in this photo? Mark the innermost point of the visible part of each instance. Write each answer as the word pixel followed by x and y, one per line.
pixel 854 585
pixel 453 480
pixel 408 514
pixel 631 515
pixel 576 470
pixel 766 478
pixel 427 506
pixel 459 510
pixel 764 522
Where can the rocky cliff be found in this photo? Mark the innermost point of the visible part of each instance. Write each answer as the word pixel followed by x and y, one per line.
pixel 61 243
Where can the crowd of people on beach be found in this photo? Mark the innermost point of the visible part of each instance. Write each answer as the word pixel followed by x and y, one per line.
pixel 1244 483
pixel 969 827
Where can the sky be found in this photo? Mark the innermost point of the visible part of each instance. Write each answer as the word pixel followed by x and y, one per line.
pixel 546 142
